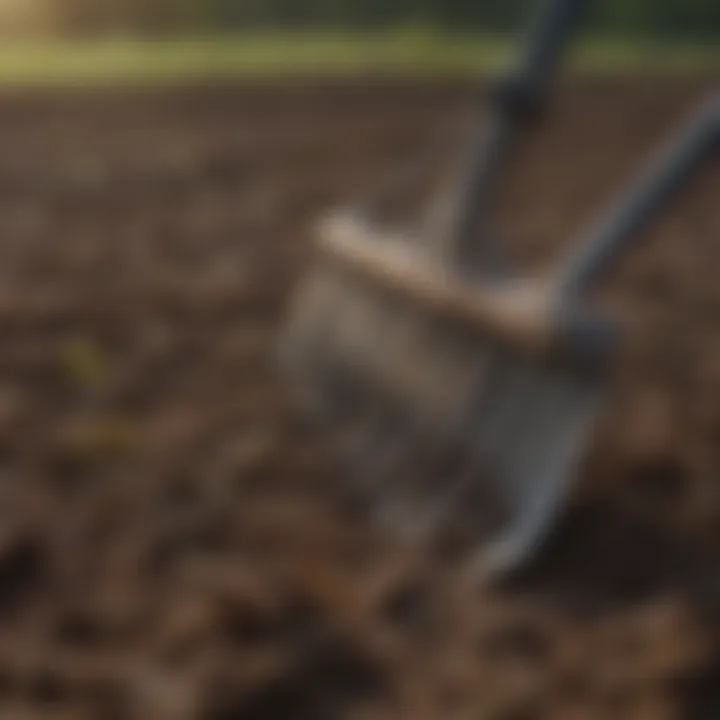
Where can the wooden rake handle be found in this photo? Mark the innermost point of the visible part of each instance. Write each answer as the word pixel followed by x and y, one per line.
pixel 518 314
pixel 533 313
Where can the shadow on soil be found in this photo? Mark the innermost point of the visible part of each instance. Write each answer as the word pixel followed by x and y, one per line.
pixel 600 559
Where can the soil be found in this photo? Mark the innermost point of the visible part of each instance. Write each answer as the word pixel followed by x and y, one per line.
pixel 168 548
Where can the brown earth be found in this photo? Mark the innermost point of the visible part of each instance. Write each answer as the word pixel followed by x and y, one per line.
pixel 166 546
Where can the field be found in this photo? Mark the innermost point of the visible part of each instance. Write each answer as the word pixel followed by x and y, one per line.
pixel 168 546
pixel 413 51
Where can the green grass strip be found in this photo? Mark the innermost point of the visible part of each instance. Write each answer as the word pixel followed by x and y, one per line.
pixel 315 54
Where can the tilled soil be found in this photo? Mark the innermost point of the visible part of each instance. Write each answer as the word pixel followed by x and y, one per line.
pixel 167 546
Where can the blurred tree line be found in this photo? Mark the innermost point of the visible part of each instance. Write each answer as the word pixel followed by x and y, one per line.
pixel 684 19
pixel 633 18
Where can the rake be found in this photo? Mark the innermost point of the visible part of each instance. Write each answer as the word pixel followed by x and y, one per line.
pixel 464 396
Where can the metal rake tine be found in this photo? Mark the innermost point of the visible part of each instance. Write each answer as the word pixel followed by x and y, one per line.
pixel 458 494
pixel 511 423
pixel 394 459
pixel 412 509
pixel 548 400
pixel 524 533
pixel 359 451
pixel 392 455
pixel 517 439
pixel 355 436
pixel 376 448
pixel 419 519
pixel 509 548
pixel 463 481
pixel 415 522
pixel 499 407
pixel 521 437
pixel 398 515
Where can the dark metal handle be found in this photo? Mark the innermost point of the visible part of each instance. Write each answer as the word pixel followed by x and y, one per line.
pixel 548 40
pixel 614 231
pixel 516 101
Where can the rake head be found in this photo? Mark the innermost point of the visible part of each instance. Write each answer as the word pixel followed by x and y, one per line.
pixel 453 432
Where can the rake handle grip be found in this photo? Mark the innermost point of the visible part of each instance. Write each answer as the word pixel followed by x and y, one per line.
pixel 615 230
pixel 516 100
pixel 548 40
